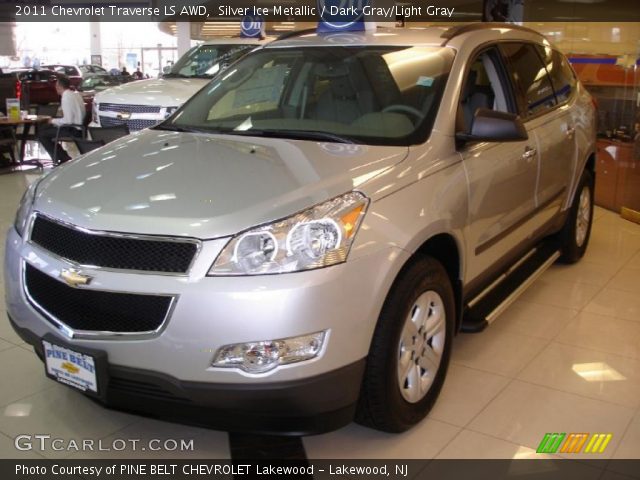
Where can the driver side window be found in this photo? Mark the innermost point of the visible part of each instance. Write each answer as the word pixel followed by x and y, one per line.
pixel 483 88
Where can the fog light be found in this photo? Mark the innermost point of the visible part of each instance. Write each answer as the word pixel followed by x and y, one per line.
pixel 260 357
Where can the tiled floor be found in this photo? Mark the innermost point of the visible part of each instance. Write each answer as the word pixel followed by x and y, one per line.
pixel 565 357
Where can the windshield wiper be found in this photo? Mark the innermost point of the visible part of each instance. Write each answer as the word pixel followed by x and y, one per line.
pixel 295 135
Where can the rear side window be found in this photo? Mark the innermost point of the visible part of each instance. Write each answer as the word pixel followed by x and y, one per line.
pixel 562 77
pixel 532 84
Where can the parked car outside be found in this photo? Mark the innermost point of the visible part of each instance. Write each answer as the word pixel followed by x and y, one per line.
pixel 298 244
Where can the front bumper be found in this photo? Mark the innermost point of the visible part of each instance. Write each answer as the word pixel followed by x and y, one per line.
pixel 173 367
pixel 297 407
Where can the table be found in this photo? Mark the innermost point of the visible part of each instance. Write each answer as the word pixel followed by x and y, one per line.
pixel 26 122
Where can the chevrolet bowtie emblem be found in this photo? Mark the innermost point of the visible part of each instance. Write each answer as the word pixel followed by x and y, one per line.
pixel 69 367
pixel 124 115
pixel 74 278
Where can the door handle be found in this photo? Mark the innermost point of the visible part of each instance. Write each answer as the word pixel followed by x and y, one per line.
pixel 570 131
pixel 529 153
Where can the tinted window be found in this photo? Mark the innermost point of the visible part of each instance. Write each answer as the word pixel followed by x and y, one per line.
pixel 530 78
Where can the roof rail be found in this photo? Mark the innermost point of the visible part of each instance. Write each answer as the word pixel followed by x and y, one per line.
pixel 296 33
pixel 472 27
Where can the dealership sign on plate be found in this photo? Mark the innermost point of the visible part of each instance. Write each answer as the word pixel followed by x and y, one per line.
pixel 71 368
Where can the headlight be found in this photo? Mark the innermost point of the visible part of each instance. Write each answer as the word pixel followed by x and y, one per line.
pixel 24 209
pixel 314 238
pixel 94 113
pixel 169 111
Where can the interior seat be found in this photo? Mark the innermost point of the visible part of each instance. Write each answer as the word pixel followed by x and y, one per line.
pixel 474 97
pixel 340 102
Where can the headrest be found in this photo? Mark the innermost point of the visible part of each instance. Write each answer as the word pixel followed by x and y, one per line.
pixel 332 70
pixel 470 84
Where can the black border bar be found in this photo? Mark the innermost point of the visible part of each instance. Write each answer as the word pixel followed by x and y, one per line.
pixel 402 11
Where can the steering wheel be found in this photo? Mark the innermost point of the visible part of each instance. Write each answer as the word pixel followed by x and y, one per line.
pixel 404 109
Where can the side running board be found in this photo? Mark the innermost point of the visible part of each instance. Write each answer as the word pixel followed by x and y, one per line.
pixel 496 298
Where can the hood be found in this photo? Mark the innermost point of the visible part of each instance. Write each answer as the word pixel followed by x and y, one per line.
pixel 204 186
pixel 162 92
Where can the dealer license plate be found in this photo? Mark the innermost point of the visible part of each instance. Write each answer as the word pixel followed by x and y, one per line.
pixel 72 368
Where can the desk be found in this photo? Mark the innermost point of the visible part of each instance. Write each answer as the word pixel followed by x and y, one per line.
pixel 26 122
pixel 617 176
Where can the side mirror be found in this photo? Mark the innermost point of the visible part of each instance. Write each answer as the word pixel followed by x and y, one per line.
pixel 492 126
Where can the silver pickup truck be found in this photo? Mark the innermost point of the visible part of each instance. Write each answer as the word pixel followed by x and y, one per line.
pixel 298 244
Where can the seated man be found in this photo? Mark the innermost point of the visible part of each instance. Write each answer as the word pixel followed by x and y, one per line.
pixel 73 112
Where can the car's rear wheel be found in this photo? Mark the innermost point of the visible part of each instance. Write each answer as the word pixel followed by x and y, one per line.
pixel 410 350
pixel 577 231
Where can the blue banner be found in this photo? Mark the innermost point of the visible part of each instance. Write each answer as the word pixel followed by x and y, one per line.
pixel 341 15
pixel 252 26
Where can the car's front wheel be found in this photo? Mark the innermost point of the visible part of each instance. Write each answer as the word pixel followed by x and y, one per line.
pixel 577 230
pixel 410 350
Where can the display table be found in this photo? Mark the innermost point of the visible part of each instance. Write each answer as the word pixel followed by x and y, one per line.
pixel 26 123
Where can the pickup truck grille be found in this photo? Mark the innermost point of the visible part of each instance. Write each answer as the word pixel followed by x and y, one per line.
pixel 134 125
pixel 116 107
pixel 114 251
pixel 86 310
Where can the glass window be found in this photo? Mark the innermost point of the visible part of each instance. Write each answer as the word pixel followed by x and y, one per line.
pixel 373 94
pixel 560 72
pixel 563 77
pixel 207 60
pixel 101 82
pixel 483 88
pixel 530 78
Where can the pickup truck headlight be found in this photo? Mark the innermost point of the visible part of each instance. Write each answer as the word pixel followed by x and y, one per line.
pixel 24 209
pixel 314 238
pixel 94 113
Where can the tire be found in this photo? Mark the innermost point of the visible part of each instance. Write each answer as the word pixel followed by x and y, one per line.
pixel 391 401
pixel 577 229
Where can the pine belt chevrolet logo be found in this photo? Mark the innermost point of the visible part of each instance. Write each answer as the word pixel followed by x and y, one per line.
pixel 574 442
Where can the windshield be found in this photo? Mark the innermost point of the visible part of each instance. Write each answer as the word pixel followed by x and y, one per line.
pixel 65 70
pixel 92 69
pixel 100 83
pixel 365 94
pixel 208 60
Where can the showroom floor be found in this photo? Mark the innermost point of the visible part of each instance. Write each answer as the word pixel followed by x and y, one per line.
pixel 563 358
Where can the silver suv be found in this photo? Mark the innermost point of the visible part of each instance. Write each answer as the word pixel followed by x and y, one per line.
pixel 298 244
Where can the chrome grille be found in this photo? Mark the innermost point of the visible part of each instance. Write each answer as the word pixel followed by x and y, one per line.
pixel 133 125
pixel 84 310
pixel 115 107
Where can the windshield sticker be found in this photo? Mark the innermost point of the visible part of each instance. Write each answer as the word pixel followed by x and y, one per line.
pixel 264 86
pixel 425 82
